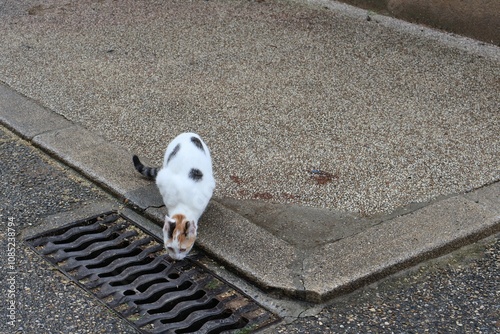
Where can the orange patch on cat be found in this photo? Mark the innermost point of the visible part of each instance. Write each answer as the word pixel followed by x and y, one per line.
pixel 179 219
pixel 180 226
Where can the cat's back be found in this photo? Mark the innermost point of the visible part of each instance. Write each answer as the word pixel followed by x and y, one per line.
pixel 187 150
pixel 186 176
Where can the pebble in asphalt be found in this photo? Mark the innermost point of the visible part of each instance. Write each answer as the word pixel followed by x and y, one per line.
pixel 33 187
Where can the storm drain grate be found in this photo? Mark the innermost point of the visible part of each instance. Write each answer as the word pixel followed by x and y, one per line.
pixel 127 268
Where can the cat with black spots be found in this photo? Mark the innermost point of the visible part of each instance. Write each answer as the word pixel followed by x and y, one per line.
pixel 186 184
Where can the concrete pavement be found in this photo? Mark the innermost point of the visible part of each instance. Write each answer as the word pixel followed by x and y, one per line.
pixel 344 149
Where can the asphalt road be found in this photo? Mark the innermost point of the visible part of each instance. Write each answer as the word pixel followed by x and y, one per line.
pixel 33 187
pixel 459 293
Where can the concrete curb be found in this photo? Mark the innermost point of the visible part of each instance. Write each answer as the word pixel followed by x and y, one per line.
pixel 312 274
pixel 399 243
pixel 479 19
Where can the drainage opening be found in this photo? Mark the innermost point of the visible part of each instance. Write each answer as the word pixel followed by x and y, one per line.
pixel 127 269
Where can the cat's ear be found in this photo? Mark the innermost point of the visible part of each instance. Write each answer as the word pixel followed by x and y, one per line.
pixel 191 228
pixel 169 227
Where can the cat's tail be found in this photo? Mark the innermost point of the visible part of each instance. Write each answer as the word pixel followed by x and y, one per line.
pixel 149 172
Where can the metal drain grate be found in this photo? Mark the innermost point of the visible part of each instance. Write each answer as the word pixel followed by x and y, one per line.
pixel 126 267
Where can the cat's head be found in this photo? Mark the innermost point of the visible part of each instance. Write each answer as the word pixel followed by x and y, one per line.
pixel 179 235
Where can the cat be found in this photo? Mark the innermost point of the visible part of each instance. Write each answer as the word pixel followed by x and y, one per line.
pixel 186 184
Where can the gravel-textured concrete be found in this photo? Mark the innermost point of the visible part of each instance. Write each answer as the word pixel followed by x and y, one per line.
pixel 299 104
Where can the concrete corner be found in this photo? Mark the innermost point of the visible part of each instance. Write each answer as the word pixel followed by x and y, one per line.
pixel 402 242
pixel 251 250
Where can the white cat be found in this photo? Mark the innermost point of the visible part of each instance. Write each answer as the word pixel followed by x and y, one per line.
pixel 186 184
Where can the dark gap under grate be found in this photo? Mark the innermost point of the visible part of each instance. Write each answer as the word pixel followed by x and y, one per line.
pixel 126 268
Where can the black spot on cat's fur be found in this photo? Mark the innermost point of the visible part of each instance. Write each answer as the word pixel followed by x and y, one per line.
pixel 171 230
pixel 195 174
pixel 174 152
pixel 197 143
